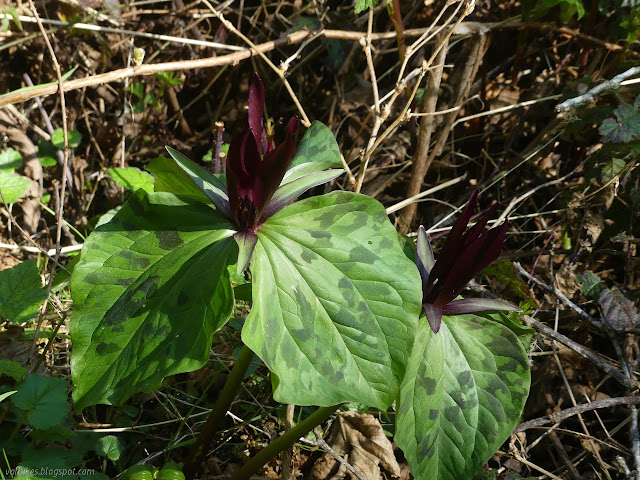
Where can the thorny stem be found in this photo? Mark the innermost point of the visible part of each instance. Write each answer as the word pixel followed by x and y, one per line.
pixel 283 442
pixel 217 415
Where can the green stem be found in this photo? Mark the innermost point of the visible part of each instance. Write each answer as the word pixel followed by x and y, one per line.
pixel 217 415
pixel 283 442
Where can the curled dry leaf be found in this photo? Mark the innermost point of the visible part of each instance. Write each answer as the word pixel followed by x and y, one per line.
pixel 618 311
pixel 360 438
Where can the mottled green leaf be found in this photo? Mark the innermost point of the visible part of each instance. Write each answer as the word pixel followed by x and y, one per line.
pixel 44 399
pixel 148 296
pixel 335 302
pixel 464 392
pixel 213 187
pixel 131 178
pixel 317 151
pixel 21 292
pixel 10 160
pixel 169 177
pixel 13 186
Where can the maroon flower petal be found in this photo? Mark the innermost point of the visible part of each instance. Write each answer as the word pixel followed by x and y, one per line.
pixel 475 231
pixel 470 305
pixel 453 243
pixel 243 162
pixel 273 167
pixel 468 263
pixel 256 111
pixel 434 316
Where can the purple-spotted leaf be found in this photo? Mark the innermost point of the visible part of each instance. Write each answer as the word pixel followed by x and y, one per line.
pixel 463 393
pixel 148 296
pixel 317 151
pixel 210 185
pixel 335 302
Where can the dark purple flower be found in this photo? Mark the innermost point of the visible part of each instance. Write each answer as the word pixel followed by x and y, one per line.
pixel 255 170
pixel 254 167
pixel 463 256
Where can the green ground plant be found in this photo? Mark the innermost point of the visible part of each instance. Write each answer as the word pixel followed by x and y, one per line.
pixel 339 313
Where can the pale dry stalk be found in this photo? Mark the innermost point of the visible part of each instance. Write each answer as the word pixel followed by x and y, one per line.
pixel 429 103
pixel 403 116
pixel 279 71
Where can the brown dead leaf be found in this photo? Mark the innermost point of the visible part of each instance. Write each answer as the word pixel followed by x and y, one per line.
pixel 360 438
pixel 618 311
pixel 566 279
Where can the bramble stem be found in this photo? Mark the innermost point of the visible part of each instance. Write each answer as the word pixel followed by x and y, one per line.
pixel 283 442
pixel 217 415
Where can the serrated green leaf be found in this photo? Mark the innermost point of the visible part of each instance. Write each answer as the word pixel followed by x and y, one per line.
pixel 625 127
pixel 12 369
pixel 131 178
pixel 335 302
pixel 148 296
pixel 109 446
pixel 44 399
pixel 317 151
pixel 13 186
pixel 21 292
pixel 504 271
pixel 74 137
pixel 612 168
pixel 10 160
pixel 590 284
pixel 51 463
pixel 362 5
pixel 464 392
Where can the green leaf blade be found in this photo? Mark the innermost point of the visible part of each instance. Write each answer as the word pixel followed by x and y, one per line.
pixel 44 399
pixel 317 151
pixel 335 302
pixel 463 393
pixel 21 292
pixel 131 178
pixel 148 296
pixel 13 186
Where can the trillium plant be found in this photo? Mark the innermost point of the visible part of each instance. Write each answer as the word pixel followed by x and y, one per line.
pixel 338 311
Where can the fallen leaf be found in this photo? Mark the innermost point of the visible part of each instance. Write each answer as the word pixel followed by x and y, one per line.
pixel 618 312
pixel 360 438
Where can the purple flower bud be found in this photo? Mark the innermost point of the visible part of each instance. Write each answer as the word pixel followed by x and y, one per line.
pixel 254 169
pixel 463 256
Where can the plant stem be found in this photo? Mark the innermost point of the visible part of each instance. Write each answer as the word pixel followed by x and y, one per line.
pixel 217 415
pixel 283 442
